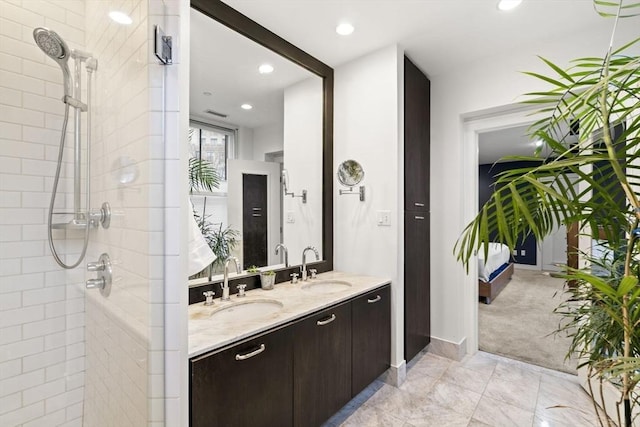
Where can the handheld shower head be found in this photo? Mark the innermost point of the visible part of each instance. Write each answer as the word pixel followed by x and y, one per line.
pixel 55 48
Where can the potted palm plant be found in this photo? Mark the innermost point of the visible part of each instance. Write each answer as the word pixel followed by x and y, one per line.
pixel 593 183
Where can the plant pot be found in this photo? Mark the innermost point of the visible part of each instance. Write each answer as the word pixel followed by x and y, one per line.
pixel 267 281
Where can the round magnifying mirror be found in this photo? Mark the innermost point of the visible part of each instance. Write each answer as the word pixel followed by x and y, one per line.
pixel 350 173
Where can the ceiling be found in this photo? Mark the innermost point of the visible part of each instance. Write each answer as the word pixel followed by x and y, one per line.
pixel 438 35
pixel 225 65
pixel 496 144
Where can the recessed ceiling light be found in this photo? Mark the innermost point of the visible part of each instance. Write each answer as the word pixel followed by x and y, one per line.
pixel 538 143
pixel 206 93
pixel 246 106
pixel 265 69
pixel 120 17
pixel 508 4
pixel 344 29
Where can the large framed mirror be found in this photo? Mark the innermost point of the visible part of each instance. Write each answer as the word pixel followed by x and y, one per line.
pixel 261 109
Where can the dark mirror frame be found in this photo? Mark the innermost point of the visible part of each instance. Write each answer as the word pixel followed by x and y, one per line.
pixel 240 23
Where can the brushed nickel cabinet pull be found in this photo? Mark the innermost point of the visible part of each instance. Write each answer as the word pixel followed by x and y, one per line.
pixel 420 205
pixel 326 321
pixel 419 218
pixel 251 354
pixel 374 300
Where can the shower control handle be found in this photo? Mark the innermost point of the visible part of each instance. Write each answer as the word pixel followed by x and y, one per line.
pixel 95 266
pixel 96 283
pixel 103 268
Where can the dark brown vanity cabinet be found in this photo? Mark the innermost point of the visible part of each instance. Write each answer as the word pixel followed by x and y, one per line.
pixel 371 337
pixel 321 365
pixel 249 384
pixel 299 374
pixel 417 110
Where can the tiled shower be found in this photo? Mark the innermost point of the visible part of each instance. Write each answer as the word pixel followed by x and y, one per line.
pixel 70 356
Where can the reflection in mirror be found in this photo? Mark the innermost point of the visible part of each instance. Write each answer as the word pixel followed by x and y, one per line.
pixel 351 173
pixel 254 115
pixel 285 187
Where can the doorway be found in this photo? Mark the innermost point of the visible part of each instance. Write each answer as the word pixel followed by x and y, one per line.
pixel 254 220
pixel 549 252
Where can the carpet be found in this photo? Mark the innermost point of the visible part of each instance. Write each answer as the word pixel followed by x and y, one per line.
pixel 520 322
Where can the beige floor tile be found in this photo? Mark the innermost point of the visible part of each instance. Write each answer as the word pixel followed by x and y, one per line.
pixel 476 423
pixel 515 372
pixel 418 383
pixel 523 394
pixel 441 418
pixel 499 414
pixel 367 416
pixel 565 415
pixel 474 380
pixel 453 397
pixel 429 364
pixel 442 393
pixel 480 362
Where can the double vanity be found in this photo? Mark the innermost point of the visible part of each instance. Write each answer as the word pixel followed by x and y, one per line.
pixel 290 356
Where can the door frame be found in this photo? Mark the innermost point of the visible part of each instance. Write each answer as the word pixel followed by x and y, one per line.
pixel 472 125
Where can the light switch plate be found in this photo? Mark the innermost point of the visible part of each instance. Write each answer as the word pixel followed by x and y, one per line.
pixel 290 217
pixel 384 218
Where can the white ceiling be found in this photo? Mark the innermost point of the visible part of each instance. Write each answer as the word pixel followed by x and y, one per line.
pixel 225 64
pixel 504 142
pixel 438 35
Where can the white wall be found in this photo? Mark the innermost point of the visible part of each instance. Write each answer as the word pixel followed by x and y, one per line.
pixel 125 342
pixel 42 353
pixel 267 139
pixel 367 129
pixel 303 160
pixel 483 85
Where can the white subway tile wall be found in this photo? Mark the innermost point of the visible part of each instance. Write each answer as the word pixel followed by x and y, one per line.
pixel 120 330
pixel 70 358
pixel 42 356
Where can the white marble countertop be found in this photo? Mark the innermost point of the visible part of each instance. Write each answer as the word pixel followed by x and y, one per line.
pixel 206 333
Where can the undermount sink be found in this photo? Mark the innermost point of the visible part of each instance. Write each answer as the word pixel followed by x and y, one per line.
pixel 326 286
pixel 239 310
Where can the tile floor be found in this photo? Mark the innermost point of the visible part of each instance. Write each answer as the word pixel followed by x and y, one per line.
pixel 480 391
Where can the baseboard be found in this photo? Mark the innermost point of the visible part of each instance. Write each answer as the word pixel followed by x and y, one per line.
pixel 448 349
pixel 395 375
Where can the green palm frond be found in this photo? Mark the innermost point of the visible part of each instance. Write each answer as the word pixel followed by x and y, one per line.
pixel 593 181
pixel 202 175
pixel 595 92
pixel 611 8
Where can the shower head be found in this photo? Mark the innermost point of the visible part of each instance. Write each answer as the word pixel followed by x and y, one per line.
pixel 55 48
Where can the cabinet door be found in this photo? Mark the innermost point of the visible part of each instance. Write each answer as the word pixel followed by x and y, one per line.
pixel 322 365
pixel 371 335
pixel 416 138
pixel 249 384
pixel 417 299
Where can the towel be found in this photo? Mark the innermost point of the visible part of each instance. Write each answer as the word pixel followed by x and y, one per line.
pixel 200 254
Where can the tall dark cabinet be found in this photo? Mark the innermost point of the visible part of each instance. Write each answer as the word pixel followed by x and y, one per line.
pixel 417 94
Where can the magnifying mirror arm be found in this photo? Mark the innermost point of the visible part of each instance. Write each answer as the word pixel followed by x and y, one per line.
pixel 292 194
pixel 360 192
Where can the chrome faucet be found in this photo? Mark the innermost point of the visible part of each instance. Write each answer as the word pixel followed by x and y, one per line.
pixel 225 284
pixel 286 253
pixel 303 267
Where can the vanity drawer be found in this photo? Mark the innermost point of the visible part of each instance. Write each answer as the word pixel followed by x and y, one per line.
pixel 248 384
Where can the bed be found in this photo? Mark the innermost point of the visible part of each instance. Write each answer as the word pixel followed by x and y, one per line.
pixel 494 272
